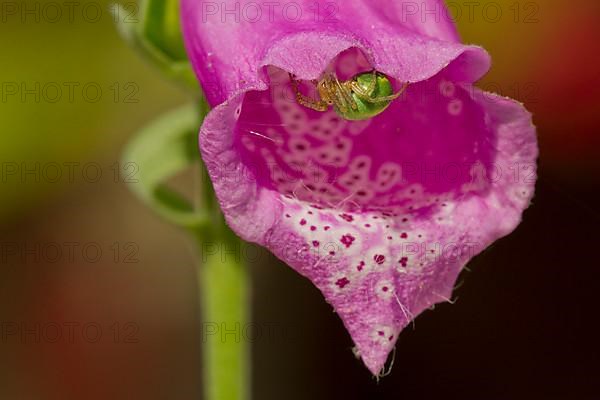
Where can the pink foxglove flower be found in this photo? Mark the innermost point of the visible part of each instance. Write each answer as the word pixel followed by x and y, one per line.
pixel 380 213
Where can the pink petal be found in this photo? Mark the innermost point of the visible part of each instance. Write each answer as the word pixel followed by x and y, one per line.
pixel 229 51
pixel 381 215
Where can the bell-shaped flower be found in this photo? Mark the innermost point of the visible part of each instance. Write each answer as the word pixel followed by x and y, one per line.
pixel 381 212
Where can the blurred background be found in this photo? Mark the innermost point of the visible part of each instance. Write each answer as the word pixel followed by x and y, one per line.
pixel 98 297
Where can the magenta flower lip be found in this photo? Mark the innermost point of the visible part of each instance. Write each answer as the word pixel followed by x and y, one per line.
pixel 381 215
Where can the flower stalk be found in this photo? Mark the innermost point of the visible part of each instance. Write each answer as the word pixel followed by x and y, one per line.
pixel 164 148
pixel 160 150
pixel 224 294
pixel 223 289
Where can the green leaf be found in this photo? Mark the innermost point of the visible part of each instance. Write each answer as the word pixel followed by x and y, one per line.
pixel 160 24
pixel 161 150
pixel 157 36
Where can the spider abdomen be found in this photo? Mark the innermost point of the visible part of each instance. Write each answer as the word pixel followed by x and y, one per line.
pixel 366 108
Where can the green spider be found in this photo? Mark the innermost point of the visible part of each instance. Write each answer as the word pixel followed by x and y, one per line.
pixel 364 96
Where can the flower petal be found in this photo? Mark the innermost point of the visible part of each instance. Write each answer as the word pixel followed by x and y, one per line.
pixel 429 17
pixel 355 206
pixel 229 50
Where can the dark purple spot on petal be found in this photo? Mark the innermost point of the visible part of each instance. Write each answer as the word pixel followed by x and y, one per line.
pixel 360 266
pixel 347 217
pixel 342 282
pixel 347 240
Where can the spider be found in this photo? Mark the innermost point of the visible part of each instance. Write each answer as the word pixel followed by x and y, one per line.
pixel 364 96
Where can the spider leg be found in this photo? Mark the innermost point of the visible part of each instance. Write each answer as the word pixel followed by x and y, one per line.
pixel 364 95
pixel 317 105
pixel 335 95
pixel 346 94
pixel 373 83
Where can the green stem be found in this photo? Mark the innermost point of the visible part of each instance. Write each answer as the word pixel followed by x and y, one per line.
pixel 168 146
pixel 224 295
pixel 224 287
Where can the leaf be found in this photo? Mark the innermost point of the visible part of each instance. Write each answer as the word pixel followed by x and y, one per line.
pixel 161 25
pixel 157 37
pixel 160 150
